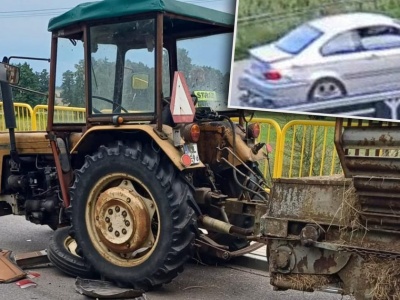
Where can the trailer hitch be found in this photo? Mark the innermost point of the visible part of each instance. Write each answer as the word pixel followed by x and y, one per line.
pixel 222 252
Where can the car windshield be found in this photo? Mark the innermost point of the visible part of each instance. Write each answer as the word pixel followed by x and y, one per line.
pixel 298 39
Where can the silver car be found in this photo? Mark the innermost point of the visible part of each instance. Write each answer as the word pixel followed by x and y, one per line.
pixel 335 56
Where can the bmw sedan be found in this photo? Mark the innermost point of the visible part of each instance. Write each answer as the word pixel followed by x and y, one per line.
pixel 331 57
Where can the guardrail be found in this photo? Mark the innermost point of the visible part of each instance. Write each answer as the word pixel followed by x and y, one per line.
pixel 383 105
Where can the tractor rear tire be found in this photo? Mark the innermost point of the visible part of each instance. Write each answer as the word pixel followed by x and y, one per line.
pixel 65 259
pixel 131 216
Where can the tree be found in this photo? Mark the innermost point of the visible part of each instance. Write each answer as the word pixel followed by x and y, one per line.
pixel 44 78
pixel 29 80
pixel 68 87
pixel 78 99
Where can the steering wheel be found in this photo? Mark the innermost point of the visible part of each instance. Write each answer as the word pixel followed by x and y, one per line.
pixel 109 101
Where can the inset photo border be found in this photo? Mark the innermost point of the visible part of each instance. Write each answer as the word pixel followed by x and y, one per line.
pixel 317 57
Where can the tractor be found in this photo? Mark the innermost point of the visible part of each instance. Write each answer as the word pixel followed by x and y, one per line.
pixel 152 175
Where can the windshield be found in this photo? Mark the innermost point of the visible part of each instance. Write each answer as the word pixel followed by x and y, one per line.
pixel 123 67
pixel 298 39
pixel 205 63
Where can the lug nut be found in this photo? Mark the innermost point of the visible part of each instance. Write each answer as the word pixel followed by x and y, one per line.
pixel 117 208
pixel 110 229
pixel 124 214
pixel 110 211
pixel 124 231
pixel 127 223
pixel 117 233
pixel 107 219
pixel 128 200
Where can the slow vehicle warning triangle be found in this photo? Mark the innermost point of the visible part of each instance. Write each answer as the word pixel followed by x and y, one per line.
pixel 182 106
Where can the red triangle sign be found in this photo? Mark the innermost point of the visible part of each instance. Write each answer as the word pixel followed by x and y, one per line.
pixel 182 106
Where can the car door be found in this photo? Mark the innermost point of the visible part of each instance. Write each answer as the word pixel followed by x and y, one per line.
pixel 359 70
pixel 382 46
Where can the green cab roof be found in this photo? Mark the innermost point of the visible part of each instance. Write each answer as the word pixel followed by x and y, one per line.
pixel 98 10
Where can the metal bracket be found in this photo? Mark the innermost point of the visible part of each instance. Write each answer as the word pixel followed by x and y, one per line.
pixel 161 134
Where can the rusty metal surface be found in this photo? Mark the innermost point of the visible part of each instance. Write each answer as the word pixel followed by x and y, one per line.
pixel 305 260
pixel 353 280
pixel 274 226
pixel 247 208
pixel 314 199
pixel 377 184
pixel 218 134
pixel 123 218
pixel 371 137
pixel 373 166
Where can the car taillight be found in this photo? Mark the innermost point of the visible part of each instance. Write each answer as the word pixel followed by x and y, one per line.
pixel 253 130
pixel 272 75
pixel 191 133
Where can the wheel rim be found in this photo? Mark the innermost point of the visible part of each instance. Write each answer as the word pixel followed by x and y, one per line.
pixel 71 245
pixel 327 90
pixel 122 219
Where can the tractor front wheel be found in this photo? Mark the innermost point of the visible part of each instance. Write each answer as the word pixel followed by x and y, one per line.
pixel 131 216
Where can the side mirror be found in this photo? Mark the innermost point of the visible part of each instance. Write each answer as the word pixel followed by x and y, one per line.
pixel 140 81
pixel 9 73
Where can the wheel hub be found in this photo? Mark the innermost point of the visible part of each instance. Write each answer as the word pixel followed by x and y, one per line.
pixel 123 219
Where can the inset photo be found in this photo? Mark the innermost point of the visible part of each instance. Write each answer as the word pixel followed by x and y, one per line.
pixel 325 57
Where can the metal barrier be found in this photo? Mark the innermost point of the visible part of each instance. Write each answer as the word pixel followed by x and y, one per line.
pixel 307 149
pixel 23 113
pixel 62 114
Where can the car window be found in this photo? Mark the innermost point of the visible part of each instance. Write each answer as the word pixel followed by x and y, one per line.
pixel 348 42
pixel 298 39
pixel 380 37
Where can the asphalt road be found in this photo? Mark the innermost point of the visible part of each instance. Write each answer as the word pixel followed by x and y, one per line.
pixel 197 282
pixel 238 69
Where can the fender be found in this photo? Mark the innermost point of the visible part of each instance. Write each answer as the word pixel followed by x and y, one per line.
pixel 173 153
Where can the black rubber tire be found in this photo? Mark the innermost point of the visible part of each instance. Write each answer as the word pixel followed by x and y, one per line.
pixel 64 260
pixel 325 80
pixel 171 195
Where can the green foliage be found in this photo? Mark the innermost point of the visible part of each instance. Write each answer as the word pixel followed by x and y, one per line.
pixel 73 84
pixel 36 81
pixel 197 77
pixel 68 86
pixel 263 21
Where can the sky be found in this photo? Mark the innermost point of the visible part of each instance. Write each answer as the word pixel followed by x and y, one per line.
pixel 24 25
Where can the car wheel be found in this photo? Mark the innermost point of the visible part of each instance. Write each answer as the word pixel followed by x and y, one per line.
pixel 131 215
pixel 62 254
pixel 325 89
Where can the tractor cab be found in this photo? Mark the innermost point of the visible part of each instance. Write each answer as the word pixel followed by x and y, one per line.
pixel 117 60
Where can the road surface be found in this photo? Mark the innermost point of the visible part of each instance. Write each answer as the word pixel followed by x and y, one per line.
pixel 197 282
pixel 238 69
